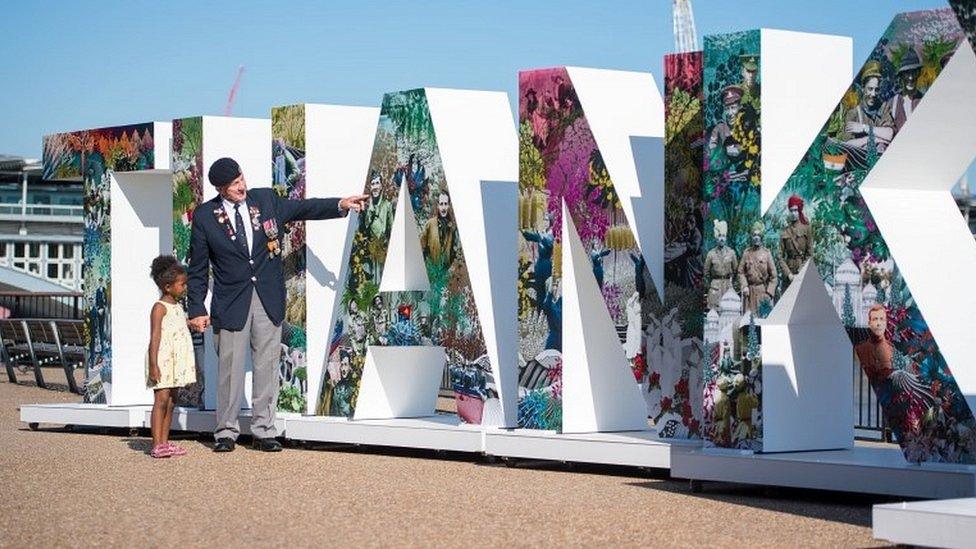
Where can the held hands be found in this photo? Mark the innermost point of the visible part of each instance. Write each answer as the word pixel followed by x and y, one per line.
pixel 198 323
pixel 354 203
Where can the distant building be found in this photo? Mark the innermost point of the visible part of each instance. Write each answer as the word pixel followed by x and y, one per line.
pixel 41 229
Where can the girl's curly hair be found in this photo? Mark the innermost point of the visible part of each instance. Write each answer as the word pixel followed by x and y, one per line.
pixel 165 270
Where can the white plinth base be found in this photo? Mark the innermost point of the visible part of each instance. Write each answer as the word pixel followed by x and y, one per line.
pixel 132 417
pixel 867 468
pixel 944 523
pixel 90 415
pixel 631 448
pixel 439 432
pixel 205 421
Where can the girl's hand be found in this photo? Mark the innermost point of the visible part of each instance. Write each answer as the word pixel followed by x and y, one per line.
pixel 198 323
pixel 154 374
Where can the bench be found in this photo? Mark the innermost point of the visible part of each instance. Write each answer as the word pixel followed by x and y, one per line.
pixel 16 346
pixel 42 343
pixel 70 338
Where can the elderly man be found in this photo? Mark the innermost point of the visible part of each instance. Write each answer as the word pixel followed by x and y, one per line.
pixel 239 234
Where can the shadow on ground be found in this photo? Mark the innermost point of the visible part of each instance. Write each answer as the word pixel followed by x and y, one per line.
pixel 140 445
pixel 49 385
pixel 854 509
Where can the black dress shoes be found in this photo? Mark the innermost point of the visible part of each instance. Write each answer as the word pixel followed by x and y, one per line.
pixel 224 445
pixel 266 445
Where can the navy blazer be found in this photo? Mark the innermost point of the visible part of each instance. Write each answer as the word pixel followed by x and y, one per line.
pixel 234 273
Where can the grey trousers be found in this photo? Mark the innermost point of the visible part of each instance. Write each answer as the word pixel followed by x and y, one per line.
pixel 265 341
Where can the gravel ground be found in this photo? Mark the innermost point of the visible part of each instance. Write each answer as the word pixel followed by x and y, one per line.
pixel 84 488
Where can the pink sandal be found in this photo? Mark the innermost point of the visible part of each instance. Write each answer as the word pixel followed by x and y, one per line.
pixel 161 451
pixel 176 449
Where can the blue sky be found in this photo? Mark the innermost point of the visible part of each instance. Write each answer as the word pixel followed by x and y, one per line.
pixel 74 65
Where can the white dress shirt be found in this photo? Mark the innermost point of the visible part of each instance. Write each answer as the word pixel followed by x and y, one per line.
pixel 246 216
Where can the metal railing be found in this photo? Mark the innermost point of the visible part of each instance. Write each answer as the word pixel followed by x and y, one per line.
pixel 446 388
pixel 42 210
pixel 867 409
pixel 54 305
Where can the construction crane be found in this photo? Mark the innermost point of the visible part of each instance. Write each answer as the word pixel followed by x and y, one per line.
pixel 965 200
pixel 685 35
pixel 233 91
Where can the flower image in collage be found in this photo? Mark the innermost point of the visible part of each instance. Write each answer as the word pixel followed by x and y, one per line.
pixel 560 163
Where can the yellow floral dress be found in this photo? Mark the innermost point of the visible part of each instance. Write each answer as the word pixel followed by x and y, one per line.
pixel 177 366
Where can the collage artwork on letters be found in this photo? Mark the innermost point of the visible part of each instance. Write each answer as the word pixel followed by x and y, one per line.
pixel 187 161
pixel 683 270
pixel 188 180
pixel 92 155
pixel 405 158
pixel 694 346
pixel 733 412
pixel 821 215
pixel 560 162
pixel 288 180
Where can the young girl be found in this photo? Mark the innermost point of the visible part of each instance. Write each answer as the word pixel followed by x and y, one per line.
pixel 170 361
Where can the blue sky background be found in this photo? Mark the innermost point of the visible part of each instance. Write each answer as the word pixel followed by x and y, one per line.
pixel 75 65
